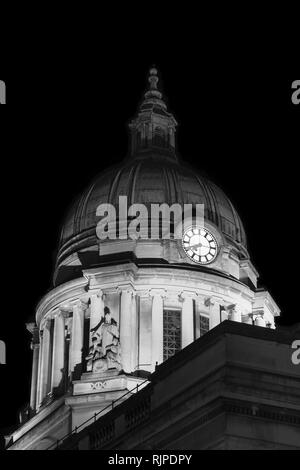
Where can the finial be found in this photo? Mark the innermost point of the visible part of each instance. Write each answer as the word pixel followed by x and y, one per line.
pixel 153 92
pixel 153 78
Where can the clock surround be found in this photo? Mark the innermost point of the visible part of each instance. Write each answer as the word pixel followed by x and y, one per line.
pixel 200 245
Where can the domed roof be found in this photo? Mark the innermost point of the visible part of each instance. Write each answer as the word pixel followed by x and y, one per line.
pixel 152 175
pixel 149 181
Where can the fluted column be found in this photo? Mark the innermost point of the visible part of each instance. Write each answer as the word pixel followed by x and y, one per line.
pixel 187 318
pixel 35 346
pixel 157 326
pixel 128 329
pixel 77 335
pixel 44 371
pixel 58 354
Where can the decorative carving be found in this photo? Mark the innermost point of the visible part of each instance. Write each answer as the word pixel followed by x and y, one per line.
pixel 83 304
pixel 231 309
pixel 34 330
pixel 98 385
pixel 209 302
pixel 46 324
pixel 66 313
pixel 160 292
pixel 105 351
pixel 187 295
pixel 129 289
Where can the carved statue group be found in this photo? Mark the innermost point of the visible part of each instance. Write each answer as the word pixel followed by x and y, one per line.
pixel 104 351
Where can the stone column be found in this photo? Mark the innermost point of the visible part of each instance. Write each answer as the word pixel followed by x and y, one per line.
pixel 260 321
pixel 39 377
pixel 134 333
pixel 234 314
pixel 58 355
pixel 44 371
pixel 68 318
pixel 187 318
pixel 214 311
pixel 157 326
pixel 35 346
pixel 77 335
pixel 97 309
pixel 249 320
pixel 128 337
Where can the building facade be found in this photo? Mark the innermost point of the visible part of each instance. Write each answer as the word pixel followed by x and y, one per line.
pixel 123 305
pixel 236 388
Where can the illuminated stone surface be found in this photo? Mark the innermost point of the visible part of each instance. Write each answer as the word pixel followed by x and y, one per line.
pixel 100 331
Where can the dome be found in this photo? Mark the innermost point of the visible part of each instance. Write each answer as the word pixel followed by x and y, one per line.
pixel 125 302
pixel 149 181
pixel 152 174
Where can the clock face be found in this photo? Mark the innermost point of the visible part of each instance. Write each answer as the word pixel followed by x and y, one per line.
pixel 200 245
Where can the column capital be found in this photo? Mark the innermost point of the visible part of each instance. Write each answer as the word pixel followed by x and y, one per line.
pixel 212 300
pixel 126 288
pixel 65 313
pixel 96 291
pixel 31 327
pixel 230 308
pixel 260 321
pixel 34 330
pixel 187 295
pixel 57 313
pixel 93 282
pixel 143 294
pixel 158 292
pixel 46 324
pixel 83 305
pixel 257 313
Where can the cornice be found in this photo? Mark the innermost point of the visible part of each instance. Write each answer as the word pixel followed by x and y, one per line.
pixel 68 292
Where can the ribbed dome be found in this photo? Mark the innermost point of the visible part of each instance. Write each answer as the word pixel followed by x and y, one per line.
pixel 151 175
pixel 146 181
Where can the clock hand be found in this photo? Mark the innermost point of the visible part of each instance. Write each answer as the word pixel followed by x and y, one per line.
pixel 198 245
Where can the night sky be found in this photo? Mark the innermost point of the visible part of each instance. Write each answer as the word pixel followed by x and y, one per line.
pixel 67 120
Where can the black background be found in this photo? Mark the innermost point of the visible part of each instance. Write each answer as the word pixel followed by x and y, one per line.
pixel 65 121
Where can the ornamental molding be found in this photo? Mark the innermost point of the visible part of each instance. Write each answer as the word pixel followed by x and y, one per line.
pixel 67 292
pixel 85 387
pixel 96 386
pixel 81 304
pixel 34 330
pixel 140 410
pixel 49 418
pixel 126 288
pixel 113 279
pixel 65 314
pixel 45 325
pixel 96 275
pixel 143 294
pixel 212 300
pixel 261 411
pixel 96 292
